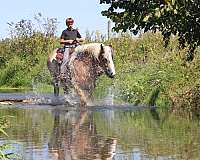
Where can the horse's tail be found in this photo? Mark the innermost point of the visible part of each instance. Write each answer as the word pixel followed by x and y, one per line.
pixel 53 68
pixel 52 55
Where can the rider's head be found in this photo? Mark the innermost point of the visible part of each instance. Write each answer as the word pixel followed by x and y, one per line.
pixel 69 22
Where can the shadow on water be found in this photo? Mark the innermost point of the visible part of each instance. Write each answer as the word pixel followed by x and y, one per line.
pixel 100 132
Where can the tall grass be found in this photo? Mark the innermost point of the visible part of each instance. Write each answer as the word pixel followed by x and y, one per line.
pixel 24 55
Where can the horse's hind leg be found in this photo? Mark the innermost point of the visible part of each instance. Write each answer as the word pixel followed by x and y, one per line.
pixel 56 89
pixel 54 71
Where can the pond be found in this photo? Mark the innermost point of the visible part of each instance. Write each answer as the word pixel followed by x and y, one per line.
pixel 103 132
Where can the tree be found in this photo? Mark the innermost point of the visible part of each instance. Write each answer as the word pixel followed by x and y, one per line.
pixel 177 17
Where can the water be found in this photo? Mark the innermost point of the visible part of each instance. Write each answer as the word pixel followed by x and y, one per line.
pixel 42 131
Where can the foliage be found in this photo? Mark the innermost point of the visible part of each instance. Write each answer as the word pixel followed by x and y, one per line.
pixel 175 17
pixel 25 54
pixel 189 101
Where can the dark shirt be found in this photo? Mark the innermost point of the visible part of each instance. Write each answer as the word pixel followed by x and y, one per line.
pixel 70 34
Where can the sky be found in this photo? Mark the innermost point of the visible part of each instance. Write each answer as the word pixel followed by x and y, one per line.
pixel 86 13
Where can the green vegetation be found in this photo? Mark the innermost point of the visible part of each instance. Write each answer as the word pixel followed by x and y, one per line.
pixel 170 17
pixel 147 72
pixel 23 57
pixel 150 74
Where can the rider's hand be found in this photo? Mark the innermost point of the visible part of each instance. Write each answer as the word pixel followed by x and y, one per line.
pixel 70 41
pixel 77 40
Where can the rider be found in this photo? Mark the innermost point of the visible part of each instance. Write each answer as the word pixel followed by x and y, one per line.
pixel 70 37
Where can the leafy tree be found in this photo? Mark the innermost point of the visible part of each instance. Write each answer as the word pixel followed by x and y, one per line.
pixel 177 17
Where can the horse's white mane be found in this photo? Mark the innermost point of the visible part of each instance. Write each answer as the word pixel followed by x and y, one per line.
pixel 90 48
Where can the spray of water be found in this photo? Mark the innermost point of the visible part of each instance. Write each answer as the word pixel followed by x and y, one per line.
pixel 42 93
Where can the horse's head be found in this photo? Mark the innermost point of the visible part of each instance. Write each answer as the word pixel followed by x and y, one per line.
pixel 106 60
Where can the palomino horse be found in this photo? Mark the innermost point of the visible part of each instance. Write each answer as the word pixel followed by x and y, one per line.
pixel 87 62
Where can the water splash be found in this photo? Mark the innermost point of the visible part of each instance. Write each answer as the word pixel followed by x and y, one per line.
pixel 109 99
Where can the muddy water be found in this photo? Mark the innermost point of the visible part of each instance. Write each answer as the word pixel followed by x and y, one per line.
pixel 43 131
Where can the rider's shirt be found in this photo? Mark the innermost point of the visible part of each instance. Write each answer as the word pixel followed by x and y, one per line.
pixel 70 34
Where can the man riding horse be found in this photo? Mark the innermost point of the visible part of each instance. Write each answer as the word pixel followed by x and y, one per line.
pixel 77 66
pixel 70 38
pixel 58 61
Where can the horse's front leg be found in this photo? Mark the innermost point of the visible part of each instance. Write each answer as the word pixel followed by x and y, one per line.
pixel 83 98
pixel 65 87
pixel 66 80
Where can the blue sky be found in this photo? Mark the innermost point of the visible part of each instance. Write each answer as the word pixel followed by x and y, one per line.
pixel 87 13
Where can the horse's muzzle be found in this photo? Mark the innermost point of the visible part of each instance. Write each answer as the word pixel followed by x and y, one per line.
pixel 110 74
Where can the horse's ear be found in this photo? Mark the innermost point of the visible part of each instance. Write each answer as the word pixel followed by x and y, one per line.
pixel 101 52
pixel 102 49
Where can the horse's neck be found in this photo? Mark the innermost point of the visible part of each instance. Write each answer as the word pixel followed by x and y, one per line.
pixel 88 59
pixel 91 48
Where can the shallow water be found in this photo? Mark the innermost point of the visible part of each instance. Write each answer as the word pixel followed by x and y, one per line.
pixel 49 131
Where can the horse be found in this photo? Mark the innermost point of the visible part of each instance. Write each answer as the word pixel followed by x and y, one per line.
pixel 86 64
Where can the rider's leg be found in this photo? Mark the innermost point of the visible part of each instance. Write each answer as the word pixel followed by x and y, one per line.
pixel 64 66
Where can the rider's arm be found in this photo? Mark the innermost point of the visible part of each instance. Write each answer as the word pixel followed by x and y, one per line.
pixel 79 38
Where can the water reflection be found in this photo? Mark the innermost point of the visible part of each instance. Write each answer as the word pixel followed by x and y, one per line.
pixel 74 137
pixel 71 134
